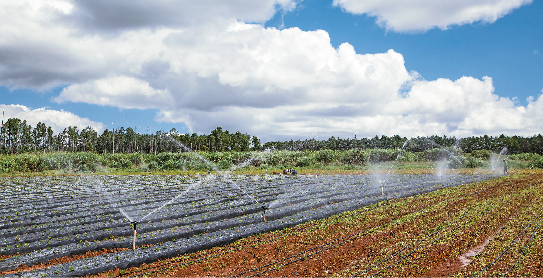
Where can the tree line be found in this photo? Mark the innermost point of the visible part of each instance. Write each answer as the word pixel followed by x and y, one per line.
pixel 513 144
pixel 17 136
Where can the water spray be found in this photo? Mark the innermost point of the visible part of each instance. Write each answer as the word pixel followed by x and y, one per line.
pixel 134 224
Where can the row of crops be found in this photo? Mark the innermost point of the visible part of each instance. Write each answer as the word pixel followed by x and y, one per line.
pixel 45 218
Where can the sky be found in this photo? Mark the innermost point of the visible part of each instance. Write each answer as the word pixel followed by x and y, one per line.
pixel 276 69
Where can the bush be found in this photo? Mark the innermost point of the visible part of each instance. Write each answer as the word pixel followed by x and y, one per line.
pixel 28 162
pixel 135 158
pixel 481 154
pixel 457 162
pixel 406 156
pixel 153 166
pixel 224 164
pixel 326 156
pixel 382 155
pixel 537 163
pixel 525 156
pixel 8 165
pixel 474 162
pixel 172 164
pixel 355 157
pixel 280 158
pixel 433 155
pixel 304 161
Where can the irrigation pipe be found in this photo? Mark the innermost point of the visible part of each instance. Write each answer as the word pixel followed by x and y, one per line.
pixel 229 251
pixel 413 251
pixel 417 248
pixel 524 250
pixel 260 243
pixel 295 231
pixel 509 247
pixel 393 255
pixel 463 196
pixel 349 237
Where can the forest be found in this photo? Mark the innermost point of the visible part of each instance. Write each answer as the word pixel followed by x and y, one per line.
pixel 17 136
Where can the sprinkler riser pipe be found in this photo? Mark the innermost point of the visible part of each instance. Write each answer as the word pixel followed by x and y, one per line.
pixel 264 212
pixel 134 224
pixel 134 240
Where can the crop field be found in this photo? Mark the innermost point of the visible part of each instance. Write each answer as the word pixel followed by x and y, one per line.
pixel 48 219
pixel 487 228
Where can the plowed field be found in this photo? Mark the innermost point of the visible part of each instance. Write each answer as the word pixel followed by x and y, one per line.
pixel 329 225
pixel 488 228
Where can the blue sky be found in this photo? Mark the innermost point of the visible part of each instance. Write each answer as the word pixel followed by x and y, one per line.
pixel 503 50
pixel 277 69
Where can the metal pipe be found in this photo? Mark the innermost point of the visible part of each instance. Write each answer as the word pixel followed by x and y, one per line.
pixel 134 224
pixel 264 212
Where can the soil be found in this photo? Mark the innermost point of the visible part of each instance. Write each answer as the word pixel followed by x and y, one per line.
pixel 451 267
pixel 346 244
pixel 62 260
pixel 312 253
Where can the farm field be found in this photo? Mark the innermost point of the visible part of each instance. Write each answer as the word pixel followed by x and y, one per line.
pixel 214 225
pixel 488 228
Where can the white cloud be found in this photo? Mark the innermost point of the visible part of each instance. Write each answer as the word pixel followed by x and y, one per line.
pixel 276 84
pixel 123 92
pixel 57 120
pixel 402 16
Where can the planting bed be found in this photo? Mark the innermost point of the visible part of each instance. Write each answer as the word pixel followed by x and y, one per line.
pixel 50 218
pixel 487 228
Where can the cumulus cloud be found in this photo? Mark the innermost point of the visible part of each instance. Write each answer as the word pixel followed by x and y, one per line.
pixel 57 120
pixel 108 16
pixel 276 84
pixel 423 15
pixel 46 43
pixel 123 92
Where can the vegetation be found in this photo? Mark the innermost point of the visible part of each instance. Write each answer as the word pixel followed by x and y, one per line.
pixel 356 159
pixel 17 136
pixel 489 228
pixel 24 148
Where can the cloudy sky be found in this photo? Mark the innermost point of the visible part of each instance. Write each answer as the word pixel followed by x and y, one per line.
pixel 277 69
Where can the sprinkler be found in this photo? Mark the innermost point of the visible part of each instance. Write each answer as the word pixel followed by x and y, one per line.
pixel 264 208
pixel 134 224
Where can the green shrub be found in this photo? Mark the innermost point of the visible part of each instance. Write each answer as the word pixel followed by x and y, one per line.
pixel 305 161
pixel 473 162
pixel 8 165
pixel 153 166
pixel 224 164
pixel 457 162
pixel 135 158
pixel 355 157
pixel 382 155
pixel 406 156
pixel 326 156
pixel 433 155
pixel 537 163
pixel 481 154
pixel 525 156
pixel 172 164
